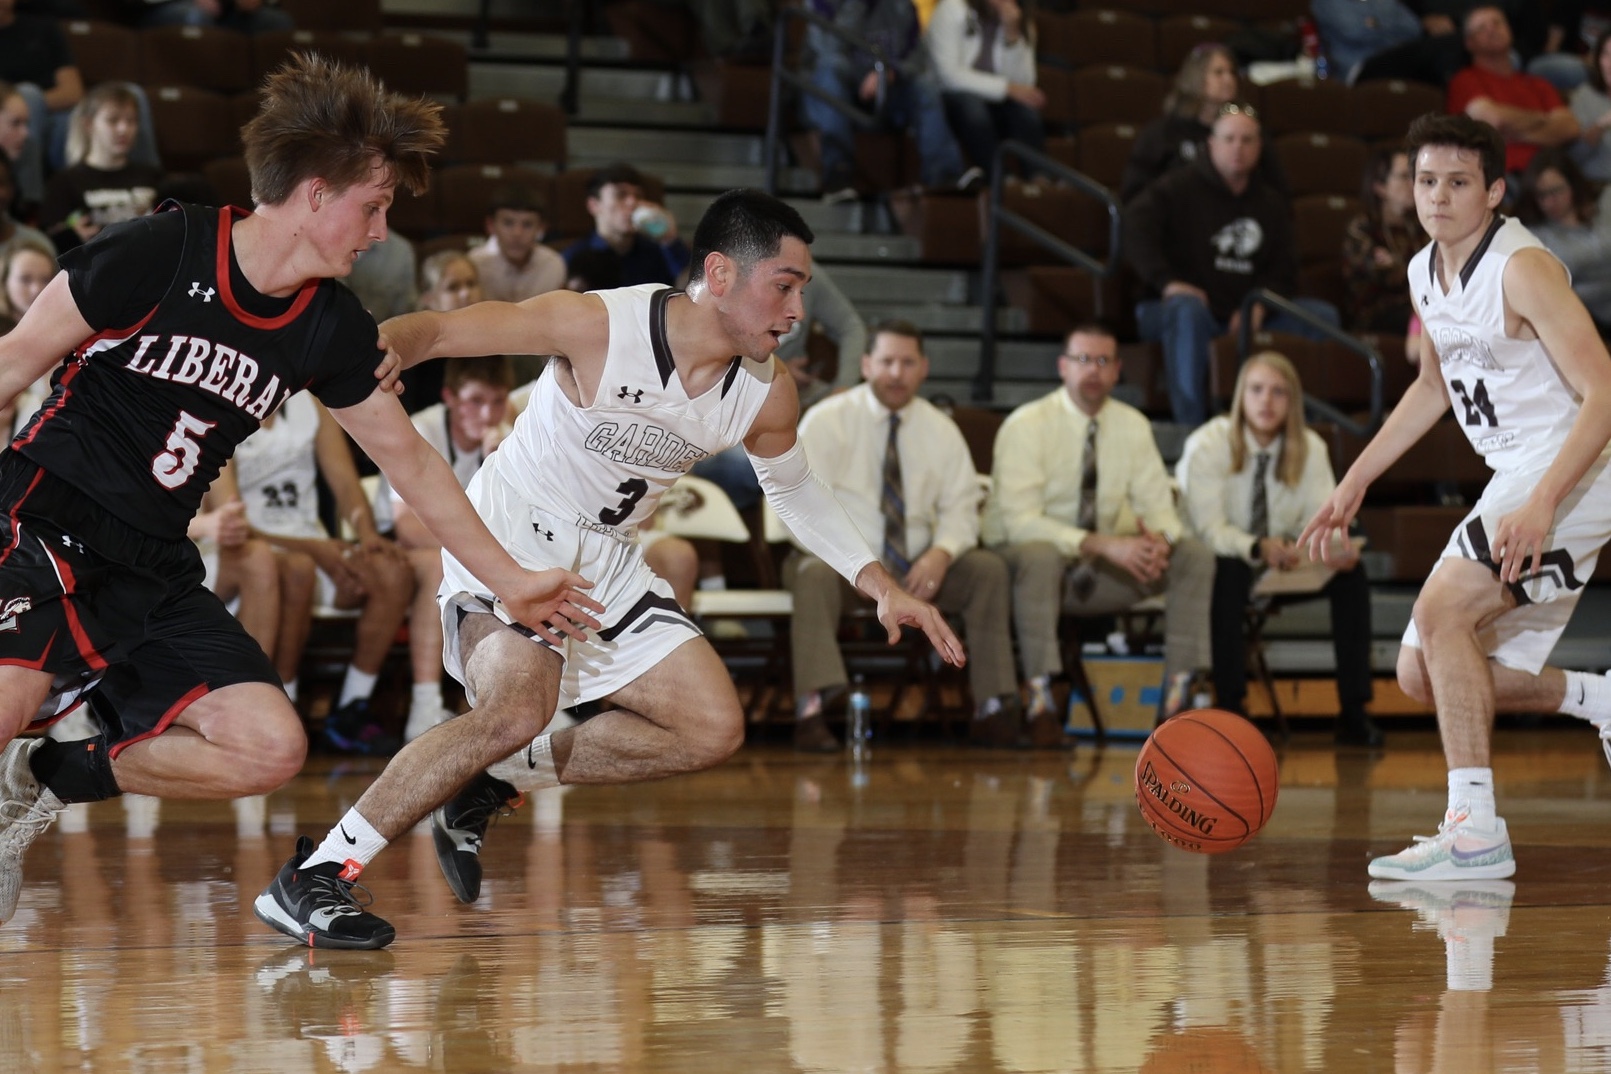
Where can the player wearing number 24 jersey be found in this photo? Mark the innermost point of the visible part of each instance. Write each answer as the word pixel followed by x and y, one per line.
pixel 185 330
pixel 1514 354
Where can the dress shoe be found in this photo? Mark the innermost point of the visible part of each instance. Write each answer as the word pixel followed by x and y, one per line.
pixel 1046 733
pixel 811 735
pixel 1001 730
pixel 1358 729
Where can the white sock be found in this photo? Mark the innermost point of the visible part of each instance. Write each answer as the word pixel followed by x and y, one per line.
pixel 357 686
pixel 290 690
pixel 1588 697
pixel 1472 790
pixel 353 843
pixel 427 699
pixel 531 769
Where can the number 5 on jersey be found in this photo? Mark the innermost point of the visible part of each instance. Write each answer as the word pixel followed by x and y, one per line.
pixel 173 467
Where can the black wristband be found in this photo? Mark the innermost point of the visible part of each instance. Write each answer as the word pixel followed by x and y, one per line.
pixel 1257 552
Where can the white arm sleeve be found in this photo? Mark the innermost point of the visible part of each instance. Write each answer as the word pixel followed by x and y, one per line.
pixel 808 507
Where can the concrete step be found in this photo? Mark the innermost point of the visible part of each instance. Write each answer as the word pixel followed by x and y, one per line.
pixel 1016 360
pixel 933 317
pixel 876 283
pixel 842 246
pixel 844 217
pixel 649 148
pixel 543 82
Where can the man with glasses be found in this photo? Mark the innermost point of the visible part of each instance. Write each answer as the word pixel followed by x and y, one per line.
pixel 1202 237
pixel 1082 510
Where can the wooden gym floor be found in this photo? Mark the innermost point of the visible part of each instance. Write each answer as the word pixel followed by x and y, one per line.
pixel 935 910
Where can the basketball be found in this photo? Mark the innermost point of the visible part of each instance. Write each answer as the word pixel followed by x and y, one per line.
pixel 1206 781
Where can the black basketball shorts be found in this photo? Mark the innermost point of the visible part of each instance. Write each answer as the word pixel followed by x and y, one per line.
pixel 119 617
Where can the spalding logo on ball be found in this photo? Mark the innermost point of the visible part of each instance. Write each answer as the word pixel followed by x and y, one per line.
pixel 1206 781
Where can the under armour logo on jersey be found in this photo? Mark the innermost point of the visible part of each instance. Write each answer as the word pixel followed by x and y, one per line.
pixel 637 396
pixel 545 534
pixel 206 293
pixel 1425 300
pixel 14 608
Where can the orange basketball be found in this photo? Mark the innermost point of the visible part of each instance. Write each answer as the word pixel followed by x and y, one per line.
pixel 1206 781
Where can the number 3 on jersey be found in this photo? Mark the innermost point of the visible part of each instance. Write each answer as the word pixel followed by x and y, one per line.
pixel 173 467
pixel 634 490
pixel 1479 408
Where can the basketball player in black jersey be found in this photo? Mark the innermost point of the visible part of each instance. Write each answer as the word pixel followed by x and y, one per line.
pixel 186 329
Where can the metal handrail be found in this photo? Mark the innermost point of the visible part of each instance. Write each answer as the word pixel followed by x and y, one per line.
pixel 782 76
pixel 1313 404
pixel 998 216
pixel 570 94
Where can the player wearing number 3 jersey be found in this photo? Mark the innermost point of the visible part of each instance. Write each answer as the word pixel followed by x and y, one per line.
pixel 1515 354
pixel 185 330
pixel 646 382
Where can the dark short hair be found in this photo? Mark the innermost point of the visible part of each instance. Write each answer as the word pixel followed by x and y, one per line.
pixel 516 198
pixel 748 226
pixel 496 370
pixel 1460 132
pixel 599 270
pixel 1528 211
pixel 1092 327
pixel 619 172
pixel 896 326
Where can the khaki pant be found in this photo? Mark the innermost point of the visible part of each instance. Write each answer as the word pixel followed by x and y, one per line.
pixel 1041 592
pixel 975 587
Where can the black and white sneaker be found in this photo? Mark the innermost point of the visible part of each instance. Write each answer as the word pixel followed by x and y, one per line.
pixel 314 905
pixel 459 825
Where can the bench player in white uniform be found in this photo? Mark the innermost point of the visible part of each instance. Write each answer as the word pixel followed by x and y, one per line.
pixel 1518 358
pixel 648 382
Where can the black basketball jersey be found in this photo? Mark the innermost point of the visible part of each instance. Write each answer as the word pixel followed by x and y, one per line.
pixel 148 409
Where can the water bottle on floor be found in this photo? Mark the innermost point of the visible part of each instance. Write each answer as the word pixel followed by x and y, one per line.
pixel 858 721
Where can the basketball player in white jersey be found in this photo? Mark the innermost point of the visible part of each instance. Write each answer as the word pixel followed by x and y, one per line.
pixel 1516 355
pixel 648 381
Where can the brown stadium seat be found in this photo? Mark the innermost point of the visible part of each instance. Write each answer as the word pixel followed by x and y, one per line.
pixel 1179 34
pixel 1320 220
pixel 205 56
pixel 229 178
pixel 269 50
pixel 1382 110
pixel 335 15
pixel 466 189
pixel 104 51
pixel 1111 93
pixel 1290 106
pixel 1104 150
pixel 192 126
pixel 1317 163
pixel 417 216
pixel 1098 35
pixel 507 130
pixel 421 64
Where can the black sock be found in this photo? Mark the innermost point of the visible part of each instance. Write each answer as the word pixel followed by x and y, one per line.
pixel 76 771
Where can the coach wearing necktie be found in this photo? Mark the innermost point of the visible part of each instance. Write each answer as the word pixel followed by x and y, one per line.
pixel 1249 481
pixel 903 472
pixel 1082 510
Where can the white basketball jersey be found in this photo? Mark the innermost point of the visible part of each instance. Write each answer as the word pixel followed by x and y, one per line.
pixel 277 470
pixel 609 463
pixel 1506 393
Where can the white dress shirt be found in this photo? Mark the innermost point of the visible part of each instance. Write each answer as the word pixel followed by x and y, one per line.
pixel 1040 451
pixel 845 438
pixel 501 281
pixel 1219 504
pixel 953 42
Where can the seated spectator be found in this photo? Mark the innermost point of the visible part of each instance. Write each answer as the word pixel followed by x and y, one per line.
pixel 513 263
pixel 1591 104
pixel 1207 80
pixel 1250 482
pixel 984 54
pixel 735 29
pixel 1082 510
pixel 383 277
pixel 1560 206
pixel 1379 243
pixel 448 281
pixel 1203 237
pixel 1526 110
pixel 614 196
pixel 28 184
pixel 275 472
pixel 101 185
pixel 1352 31
pixel 908 100
pixel 27 264
pixel 903 472
pixel 1572 29
pixel 245 16
pixel 242 570
pixel 463 427
pixel 593 270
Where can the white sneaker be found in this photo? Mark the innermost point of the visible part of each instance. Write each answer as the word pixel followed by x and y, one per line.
pixel 1460 851
pixel 422 720
pixel 26 810
pixel 1467 915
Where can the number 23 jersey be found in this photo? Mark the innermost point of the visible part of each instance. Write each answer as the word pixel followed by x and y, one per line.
pixel 185 362
pixel 1507 394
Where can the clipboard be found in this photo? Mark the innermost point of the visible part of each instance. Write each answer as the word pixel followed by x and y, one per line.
pixel 1310 576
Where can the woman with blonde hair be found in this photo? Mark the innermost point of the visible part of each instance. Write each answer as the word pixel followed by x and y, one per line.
pixel 102 183
pixel 1249 481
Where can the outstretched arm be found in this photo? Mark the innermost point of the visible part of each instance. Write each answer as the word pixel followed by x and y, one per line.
pixel 558 322
pixel 48 332
pixel 550 602
pixel 808 507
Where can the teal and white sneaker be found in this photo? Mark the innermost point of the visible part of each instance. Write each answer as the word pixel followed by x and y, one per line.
pixel 1460 851
pixel 1467 915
